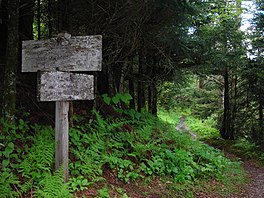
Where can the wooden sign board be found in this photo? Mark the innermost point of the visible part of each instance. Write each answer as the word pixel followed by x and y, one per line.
pixel 82 53
pixel 64 86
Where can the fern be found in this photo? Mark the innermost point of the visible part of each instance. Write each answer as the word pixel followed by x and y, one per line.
pixel 40 157
pixel 7 182
pixel 53 186
pixel 26 186
pixel 101 123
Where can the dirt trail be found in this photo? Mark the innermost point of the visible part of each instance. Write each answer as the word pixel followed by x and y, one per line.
pixel 255 188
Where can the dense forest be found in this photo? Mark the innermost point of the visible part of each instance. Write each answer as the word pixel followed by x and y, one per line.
pixel 189 56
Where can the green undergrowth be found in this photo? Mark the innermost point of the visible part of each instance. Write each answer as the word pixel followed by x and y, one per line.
pixel 137 147
pixel 204 128
pixel 233 178
pixel 153 148
pixel 27 160
pixel 242 148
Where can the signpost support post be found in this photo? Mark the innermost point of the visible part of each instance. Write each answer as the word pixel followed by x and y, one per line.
pixel 61 136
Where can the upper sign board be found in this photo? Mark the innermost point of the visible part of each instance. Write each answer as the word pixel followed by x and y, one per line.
pixel 82 53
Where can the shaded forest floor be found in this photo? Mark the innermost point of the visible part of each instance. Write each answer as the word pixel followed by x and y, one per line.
pixel 158 189
pixel 225 180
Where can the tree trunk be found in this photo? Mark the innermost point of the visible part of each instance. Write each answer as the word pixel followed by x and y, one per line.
pixel 140 91
pixel 154 89
pixel 132 104
pixel 150 97
pixel 63 10
pixel 261 113
pixel 131 87
pixel 103 81
pixel 3 41
pixel 26 86
pixel 261 127
pixel 10 72
pixel 50 24
pixel 26 16
pixel 150 75
pixel 117 74
pixel 111 90
pixel 154 99
pixel 39 19
pixel 140 98
pixel 234 108
pixel 225 129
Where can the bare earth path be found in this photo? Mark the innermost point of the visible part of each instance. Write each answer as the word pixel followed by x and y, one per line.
pixel 255 188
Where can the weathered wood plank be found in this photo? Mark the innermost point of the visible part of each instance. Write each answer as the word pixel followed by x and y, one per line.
pixel 63 86
pixel 82 53
pixel 62 137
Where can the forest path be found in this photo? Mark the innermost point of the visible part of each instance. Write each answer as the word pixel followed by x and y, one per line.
pixel 255 188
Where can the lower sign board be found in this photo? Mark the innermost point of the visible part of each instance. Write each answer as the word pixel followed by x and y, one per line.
pixel 64 86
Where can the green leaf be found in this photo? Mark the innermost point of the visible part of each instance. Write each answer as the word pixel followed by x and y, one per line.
pixel 115 99
pixel 125 196
pixel 5 163
pixel 126 98
pixel 9 149
pixel 11 145
pixel 106 99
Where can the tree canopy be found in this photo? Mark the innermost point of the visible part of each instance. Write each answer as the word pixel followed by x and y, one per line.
pixel 146 44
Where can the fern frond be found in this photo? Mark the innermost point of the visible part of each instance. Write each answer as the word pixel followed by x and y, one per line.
pixel 40 158
pixel 7 181
pixel 53 186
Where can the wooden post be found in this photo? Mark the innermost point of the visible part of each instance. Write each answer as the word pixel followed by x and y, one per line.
pixel 61 137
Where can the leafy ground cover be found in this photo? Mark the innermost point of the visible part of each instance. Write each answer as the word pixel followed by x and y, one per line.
pixel 137 155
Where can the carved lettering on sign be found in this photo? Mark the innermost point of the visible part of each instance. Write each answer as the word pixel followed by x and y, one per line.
pixel 82 53
pixel 63 86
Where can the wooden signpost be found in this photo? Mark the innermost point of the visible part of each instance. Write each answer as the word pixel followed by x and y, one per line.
pixel 53 59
